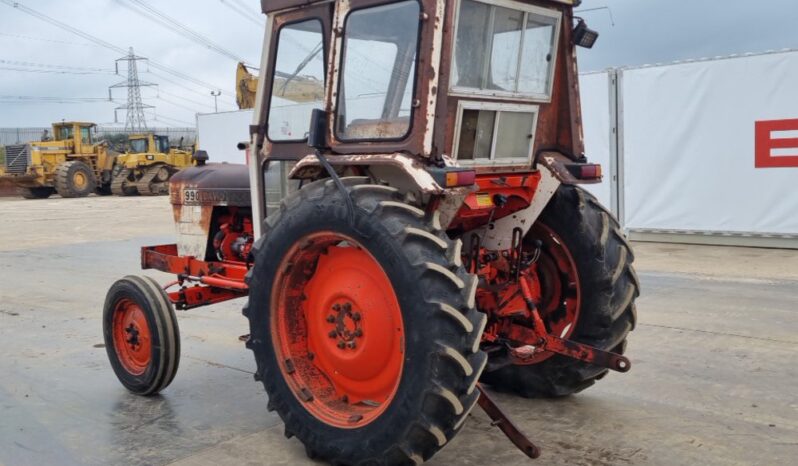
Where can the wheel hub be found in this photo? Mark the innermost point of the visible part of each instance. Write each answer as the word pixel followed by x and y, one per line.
pixel 80 180
pixel 132 339
pixel 346 325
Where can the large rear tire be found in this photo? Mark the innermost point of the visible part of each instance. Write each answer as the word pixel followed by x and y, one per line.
pixel 365 335
pixel 141 335
pixel 74 179
pixel 587 237
pixel 36 193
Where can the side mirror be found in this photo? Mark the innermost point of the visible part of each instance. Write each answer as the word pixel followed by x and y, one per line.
pixel 318 129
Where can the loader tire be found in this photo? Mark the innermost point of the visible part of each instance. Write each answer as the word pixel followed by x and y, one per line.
pixel 141 335
pixel 607 286
pixel 36 193
pixel 74 179
pixel 391 283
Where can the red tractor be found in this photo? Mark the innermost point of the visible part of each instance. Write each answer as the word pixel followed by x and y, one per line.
pixel 423 235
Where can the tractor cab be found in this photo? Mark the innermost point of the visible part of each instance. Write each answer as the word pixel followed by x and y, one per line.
pixel 77 135
pixel 148 143
pixel 484 85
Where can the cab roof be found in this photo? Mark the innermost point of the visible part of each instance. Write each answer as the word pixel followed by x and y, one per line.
pixel 71 123
pixel 270 6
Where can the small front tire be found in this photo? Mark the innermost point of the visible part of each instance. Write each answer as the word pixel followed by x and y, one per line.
pixel 141 335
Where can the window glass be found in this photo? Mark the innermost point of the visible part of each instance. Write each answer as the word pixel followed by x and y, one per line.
pixel 507 25
pixel 493 42
pixel 138 146
pixel 65 132
pixel 298 82
pixel 376 89
pixel 536 58
pixel 476 134
pixel 85 136
pixel 277 184
pixel 487 135
pixel 163 143
pixel 514 135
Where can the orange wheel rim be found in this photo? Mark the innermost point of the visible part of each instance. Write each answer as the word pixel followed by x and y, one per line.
pixel 80 180
pixel 558 281
pixel 132 338
pixel 337 330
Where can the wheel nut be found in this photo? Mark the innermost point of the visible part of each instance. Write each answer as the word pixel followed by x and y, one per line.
pixel 330 318
pixel 332 334
pixel 358 332
pixel 341 344
pixel 336 307
pixel 356 316
pixel 351 345
pixel 347 307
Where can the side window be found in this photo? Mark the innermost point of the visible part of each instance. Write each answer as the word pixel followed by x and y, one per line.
pixel 378 67
pixel 496 133
pixel 85 136
pixel 298 81
pixel 505 51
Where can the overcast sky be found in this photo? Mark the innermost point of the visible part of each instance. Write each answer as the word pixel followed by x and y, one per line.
pixel 645 31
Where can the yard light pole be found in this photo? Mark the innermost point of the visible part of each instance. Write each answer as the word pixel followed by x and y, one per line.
pixel 215 94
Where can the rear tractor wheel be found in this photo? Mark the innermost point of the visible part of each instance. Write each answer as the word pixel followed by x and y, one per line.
pixel 36 193
pixel 74 179
pixel 588 287
pixel 141 335
pixel 365 334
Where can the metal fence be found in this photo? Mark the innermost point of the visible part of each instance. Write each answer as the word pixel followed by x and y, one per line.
pixel 23 135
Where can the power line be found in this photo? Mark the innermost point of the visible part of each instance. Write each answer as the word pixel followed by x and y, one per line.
pixel 177 27
pixel 242 12
pixel 104 43
pixel 29 70
pixel 42 39
pixel 193 91
pixel 204 104
pixel 182 122
pixel 193 110
pixel 28 99
pixel 52 66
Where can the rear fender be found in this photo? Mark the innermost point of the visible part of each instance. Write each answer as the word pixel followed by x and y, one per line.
pixel 398 170
pixel 562 168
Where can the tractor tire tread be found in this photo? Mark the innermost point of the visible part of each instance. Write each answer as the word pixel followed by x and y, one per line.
pixel 607 312
pixel 444 399
pixel 63 179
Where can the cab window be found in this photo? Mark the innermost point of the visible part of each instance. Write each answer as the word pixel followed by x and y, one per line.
pixel 506 50
pixel 85 135
pixel 65 132
pixel 163 144
pixel 138 146
pixel 376 86
pixel 298 80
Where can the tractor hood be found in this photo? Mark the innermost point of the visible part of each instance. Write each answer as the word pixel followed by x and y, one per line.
pixel 211 184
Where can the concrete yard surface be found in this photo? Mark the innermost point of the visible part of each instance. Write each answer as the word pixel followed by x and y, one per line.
pixel 714 377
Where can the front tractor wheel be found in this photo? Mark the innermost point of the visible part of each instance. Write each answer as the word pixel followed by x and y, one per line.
pixel 74 179
pixel 365 334
pixel 587 291
pixel 141 335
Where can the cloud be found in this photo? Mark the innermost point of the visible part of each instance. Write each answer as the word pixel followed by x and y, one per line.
pixel 646 31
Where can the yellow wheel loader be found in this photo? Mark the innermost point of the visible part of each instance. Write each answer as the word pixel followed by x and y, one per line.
pixel 147 166
pixel 70 163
